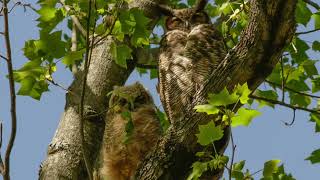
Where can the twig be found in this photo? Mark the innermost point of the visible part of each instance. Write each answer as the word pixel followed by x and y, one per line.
pixel 307 32
pixel 283 79
pixel 3 57
pixel 110 31
pixel 15 4
pixel 1 128
pixel 1 162
pixel 29 6
pixel 292 90
pixel 84 82
pixel 19 3
pixel 293 119
pixel 146 66
pixel 50 80
pixel 232 143
pixel 313 4
pixel 74 19
pixel 284 104
pixel 6 173
pixel 256 172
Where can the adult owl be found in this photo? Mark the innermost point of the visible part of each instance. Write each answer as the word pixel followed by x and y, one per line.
pixel 131 132
pixel 190 51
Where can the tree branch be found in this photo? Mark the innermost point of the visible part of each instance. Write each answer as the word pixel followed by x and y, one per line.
pixel 284 104
pixel 292 90
pixel 84 82
pixel 74 46
pixel 147 66
pixel 307 32
pixel 6 173
pixel 74 19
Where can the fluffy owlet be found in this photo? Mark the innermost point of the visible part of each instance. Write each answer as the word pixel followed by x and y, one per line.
pixel 131 132
pixel 190 51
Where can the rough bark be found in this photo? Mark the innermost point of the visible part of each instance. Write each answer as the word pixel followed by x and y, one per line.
pixel 271 27
pixel 64 160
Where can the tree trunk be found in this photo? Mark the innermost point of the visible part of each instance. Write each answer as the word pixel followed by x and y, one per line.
pixel 272 25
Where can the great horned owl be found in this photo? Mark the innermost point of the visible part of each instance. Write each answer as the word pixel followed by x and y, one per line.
pixel 190 51
pixel 131 132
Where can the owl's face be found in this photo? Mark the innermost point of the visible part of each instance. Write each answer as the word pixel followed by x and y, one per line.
pixel 129 97
pixel 186 19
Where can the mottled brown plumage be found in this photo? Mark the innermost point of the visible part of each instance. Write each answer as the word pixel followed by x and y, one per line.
pixel 189 52
pixel 122 151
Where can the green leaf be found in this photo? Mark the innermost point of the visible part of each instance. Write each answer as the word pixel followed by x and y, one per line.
pixel 209 133
pixel 243 91
pixel 270 167
pixel 47 13
pixel 315 85
pixel 300 100
pixel 27 85
pixel 316 18
pixel 244 117
pixel 299 54
pixel 239 165
pixel 207 108
pixel 53 44
pixel 31 87
pixel 30 69
pixel 49 18
pixel 197 169
pixel 141 34
pixel 298 85
pixel 153 73
pixel 218 162
pixel 269 94
pixel 129 126
pixel 238 175
pixel 164 122
pixel 315 118
pixel 72 56
pixel 314 158
pixel 316 45
pixel 200 154
pixel 303 13
pixel 309 67
pixel 223 98
pixel 121 53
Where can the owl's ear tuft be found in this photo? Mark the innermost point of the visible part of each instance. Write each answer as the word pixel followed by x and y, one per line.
pixel 166 10
pixel 200 5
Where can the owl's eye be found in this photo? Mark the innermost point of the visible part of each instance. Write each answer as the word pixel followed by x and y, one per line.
pixel 122 102
pixel 140 99
pixel 173 23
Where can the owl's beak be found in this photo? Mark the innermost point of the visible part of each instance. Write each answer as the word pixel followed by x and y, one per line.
pixel 187 25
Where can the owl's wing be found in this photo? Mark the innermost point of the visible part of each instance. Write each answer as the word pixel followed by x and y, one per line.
pixel 174 70
pixel 206 48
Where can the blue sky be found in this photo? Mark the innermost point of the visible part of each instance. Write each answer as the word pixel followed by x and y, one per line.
pixel 266 138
